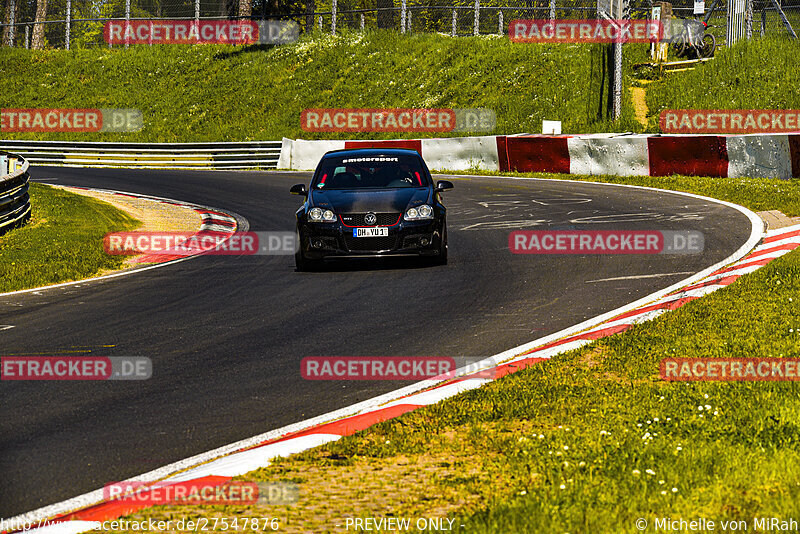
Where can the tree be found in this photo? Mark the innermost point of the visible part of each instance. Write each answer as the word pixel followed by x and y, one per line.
pixel 11 6
pixel 37 43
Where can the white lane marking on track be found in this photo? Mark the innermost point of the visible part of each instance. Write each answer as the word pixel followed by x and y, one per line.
pixel 6 326
pixel 499 225
pixel 637 276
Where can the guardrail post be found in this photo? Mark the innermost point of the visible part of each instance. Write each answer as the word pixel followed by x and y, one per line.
pixel 499 21
pixel 403 14
pixel 69 21
pixel 477 28
pixel 333 17
pixel 455 22
pixel 127 21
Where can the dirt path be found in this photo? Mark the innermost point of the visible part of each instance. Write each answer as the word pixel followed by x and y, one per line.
pixel 639 104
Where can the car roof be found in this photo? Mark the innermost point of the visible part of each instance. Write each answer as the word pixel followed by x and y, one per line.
pixel 373 152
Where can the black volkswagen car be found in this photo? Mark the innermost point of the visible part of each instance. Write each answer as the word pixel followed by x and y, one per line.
pixel 371 202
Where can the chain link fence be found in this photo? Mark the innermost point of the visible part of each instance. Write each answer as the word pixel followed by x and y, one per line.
pixel 79 23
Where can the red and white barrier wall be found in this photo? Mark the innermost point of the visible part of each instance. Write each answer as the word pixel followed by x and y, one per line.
pixel 734 156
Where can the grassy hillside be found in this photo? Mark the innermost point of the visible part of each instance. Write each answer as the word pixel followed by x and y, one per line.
pixel 223 93
pixel 760 74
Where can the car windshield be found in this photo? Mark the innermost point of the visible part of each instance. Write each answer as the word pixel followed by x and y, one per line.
pixel 370 172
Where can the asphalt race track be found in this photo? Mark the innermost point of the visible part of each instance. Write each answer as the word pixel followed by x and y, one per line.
pixel 226 334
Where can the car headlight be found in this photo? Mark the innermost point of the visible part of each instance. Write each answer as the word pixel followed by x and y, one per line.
pixel 420 212
pixel 320 215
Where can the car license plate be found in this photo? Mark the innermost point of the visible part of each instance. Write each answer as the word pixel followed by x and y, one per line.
pixel 371 232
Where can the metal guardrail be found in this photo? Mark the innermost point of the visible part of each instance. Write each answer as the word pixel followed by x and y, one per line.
pixel 15 202
pixel 244 155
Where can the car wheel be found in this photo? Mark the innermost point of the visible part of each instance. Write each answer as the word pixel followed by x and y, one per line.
pixel 441 258
pixel 302 263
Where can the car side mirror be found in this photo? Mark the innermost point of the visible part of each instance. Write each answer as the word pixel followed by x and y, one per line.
pixel 443 185
pixel 299 189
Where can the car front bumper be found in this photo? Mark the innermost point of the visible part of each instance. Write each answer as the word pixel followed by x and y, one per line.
pixel 326 240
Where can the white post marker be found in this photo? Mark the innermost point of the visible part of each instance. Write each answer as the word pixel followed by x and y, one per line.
pixel 699 7
pixel 551 127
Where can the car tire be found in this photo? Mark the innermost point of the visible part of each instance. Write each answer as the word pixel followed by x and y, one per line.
pixel 302 263
pixel 441 258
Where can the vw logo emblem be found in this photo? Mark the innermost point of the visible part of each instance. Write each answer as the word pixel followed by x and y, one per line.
pixel 370 219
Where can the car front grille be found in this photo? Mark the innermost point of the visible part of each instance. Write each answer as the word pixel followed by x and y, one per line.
pixel 374 244
pixel 357 219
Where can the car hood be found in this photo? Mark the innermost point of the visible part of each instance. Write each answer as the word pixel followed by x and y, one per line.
pixel 364 200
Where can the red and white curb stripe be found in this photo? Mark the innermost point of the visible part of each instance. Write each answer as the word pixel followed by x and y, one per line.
pixel 215 222
pixel 219 466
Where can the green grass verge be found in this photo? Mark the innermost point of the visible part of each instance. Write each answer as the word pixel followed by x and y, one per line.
pixel 225 93
pixel 63 240
pixel 592 440
pixel 757 74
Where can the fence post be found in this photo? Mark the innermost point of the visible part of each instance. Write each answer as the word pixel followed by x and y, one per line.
pixel 362 22
pixel 69 21
pixel 319 21
pixel 552 9
pixel 333 17
pixel 408 21
pixel 477 28
pixel 455 22
pixel 749 20
pixel 403 15
pixel 197 13
pixel 12 20
pixel 27 36
pixel 625 8
pixel 499 21
pixel 127 21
